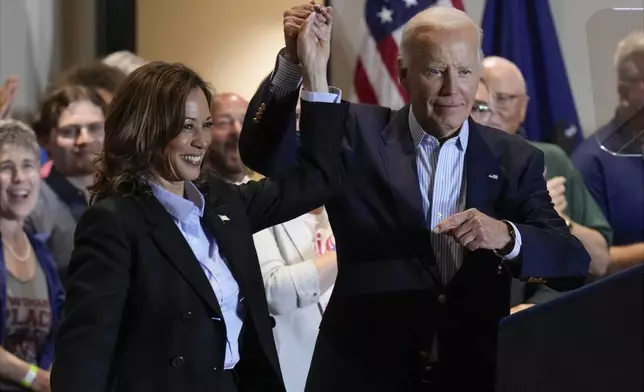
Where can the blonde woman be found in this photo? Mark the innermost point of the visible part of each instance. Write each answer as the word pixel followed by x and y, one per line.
pixel 31 294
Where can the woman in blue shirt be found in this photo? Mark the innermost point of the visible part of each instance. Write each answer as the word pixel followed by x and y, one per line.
pixel 165 291
pixel 31 294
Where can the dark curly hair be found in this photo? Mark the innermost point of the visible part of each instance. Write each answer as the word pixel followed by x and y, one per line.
pixel 146 114
pixel 56 102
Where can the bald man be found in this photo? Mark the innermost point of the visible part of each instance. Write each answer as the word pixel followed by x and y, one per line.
pixel 508 89
pixel 508 102
pixel 228 111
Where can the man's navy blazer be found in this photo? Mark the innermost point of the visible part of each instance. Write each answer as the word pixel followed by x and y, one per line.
pixel 388 300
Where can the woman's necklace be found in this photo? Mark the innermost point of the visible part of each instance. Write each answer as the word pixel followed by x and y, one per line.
pixel 15 255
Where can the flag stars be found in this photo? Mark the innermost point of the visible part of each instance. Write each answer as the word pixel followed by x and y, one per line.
pixel 410 3
pixel 386 15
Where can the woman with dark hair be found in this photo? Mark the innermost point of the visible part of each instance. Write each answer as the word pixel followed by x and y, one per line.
pixel 165 291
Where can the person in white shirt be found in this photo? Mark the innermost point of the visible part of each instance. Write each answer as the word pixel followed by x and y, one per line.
pixel 298 263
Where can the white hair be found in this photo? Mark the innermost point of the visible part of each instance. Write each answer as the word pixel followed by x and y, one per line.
pixel 438 18
pixel 125 61
pixel 629 45
pixel 17 133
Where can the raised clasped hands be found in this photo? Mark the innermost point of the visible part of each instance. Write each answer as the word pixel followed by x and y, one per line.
pixel 474 230
pixel 314 40
pixel 293 19
pixel 307 34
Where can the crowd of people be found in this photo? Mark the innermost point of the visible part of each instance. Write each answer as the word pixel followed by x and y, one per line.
pixel 158 236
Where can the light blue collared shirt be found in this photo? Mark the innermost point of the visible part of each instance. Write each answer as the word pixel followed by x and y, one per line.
pixel 186 213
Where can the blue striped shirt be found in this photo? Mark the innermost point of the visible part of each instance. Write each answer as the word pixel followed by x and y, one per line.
pixel 442 185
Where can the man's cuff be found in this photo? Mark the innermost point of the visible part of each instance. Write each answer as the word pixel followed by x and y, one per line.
pixel 517 244
pixel 287 76
pixel 333 96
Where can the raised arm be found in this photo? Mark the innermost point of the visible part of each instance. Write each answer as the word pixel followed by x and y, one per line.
pixel 96 292
pixel 312 183
pixel 274 200
pixel 269 144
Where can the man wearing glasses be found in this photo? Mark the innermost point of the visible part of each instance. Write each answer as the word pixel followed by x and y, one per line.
pixel 501 102
pixel 71 129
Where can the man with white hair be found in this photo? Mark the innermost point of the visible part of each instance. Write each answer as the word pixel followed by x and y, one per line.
pixel 615 177
pixel 436 215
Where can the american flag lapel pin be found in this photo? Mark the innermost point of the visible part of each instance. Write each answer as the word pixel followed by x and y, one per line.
pixel 224 218
pixel 493 176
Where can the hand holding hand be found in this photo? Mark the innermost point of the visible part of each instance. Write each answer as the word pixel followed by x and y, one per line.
pixel 7 94
pixel 557 190
pixel 475 230
pixel 314 48
pixel 293 20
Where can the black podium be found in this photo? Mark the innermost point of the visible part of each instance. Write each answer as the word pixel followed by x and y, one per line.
pixel 589 340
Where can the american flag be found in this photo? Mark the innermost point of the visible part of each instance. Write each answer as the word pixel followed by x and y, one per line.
pixel 376 75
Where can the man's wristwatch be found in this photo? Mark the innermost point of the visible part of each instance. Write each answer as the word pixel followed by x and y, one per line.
pixel 506 250
pixel 568 224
